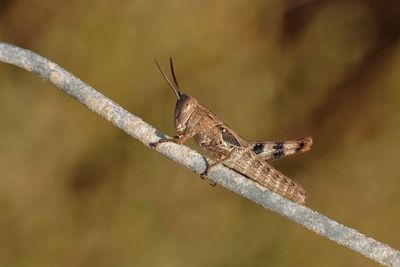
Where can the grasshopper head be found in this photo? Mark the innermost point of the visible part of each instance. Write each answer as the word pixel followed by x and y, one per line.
pixel 184 108
pixel 185 105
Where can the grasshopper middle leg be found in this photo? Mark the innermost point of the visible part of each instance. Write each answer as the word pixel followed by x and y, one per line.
pixel 204 174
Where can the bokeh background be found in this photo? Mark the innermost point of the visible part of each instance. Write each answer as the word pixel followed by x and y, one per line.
pixel 76 191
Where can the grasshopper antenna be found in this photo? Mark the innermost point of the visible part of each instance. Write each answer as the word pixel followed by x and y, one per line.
pixel 173 72
pixel 175 89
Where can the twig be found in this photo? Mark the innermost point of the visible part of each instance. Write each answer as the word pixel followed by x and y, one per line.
pixel 189 158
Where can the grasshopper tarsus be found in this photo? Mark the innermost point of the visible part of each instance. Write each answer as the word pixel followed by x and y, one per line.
pixel 175 139
pixel 155 144
pixel 204 175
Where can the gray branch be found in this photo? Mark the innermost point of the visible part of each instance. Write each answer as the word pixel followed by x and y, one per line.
pixel 145 133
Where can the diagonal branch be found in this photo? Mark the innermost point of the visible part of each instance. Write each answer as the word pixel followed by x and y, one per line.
pixel 145 133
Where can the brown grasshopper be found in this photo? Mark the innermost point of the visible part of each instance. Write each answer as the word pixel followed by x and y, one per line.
pixel 248 158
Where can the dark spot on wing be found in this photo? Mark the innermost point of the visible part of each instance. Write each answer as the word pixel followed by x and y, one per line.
pixel 229 138
pixel 258 148
pixel 278 154
pixel 278 146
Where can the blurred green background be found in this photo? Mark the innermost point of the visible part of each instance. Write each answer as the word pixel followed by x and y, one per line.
pixel 76 191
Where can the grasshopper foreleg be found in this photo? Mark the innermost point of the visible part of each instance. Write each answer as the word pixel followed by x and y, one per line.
pixel 178 139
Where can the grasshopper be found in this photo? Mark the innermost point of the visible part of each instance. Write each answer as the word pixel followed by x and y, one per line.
pixel 251 159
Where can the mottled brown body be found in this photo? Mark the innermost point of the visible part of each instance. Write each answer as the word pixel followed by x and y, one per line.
pixel 227 147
